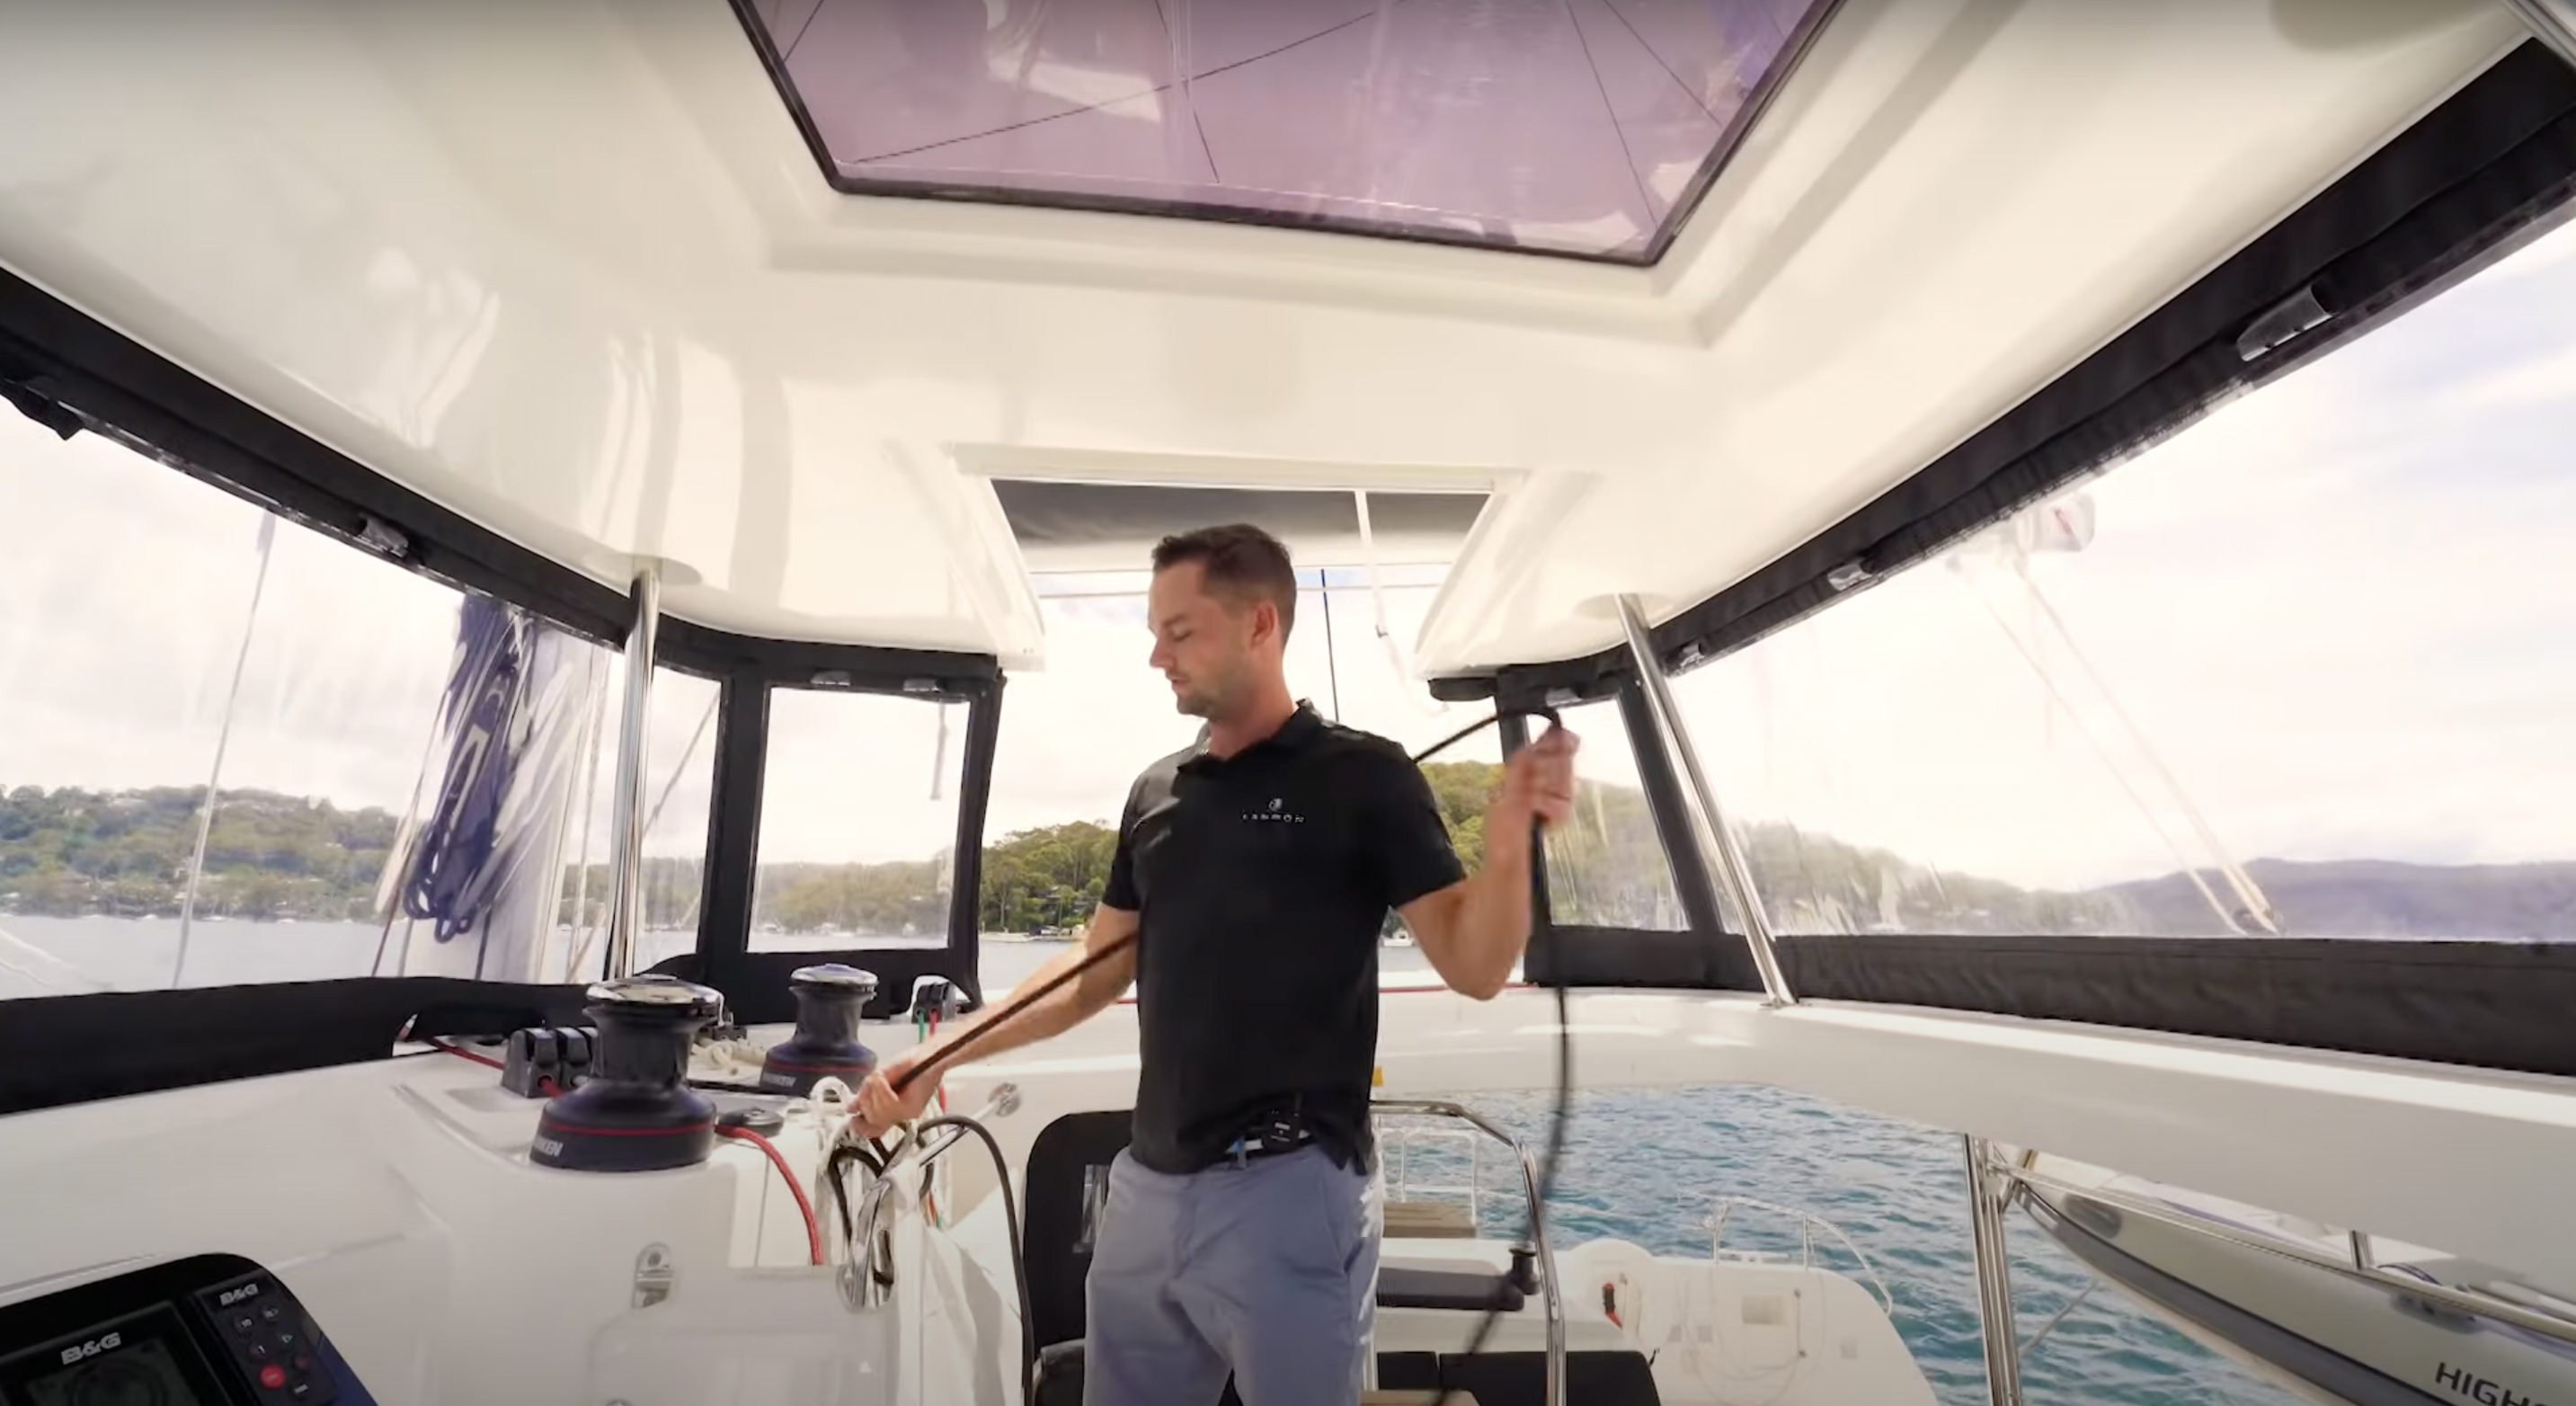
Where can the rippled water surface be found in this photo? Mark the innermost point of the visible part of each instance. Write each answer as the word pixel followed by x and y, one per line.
pixel 1646 1164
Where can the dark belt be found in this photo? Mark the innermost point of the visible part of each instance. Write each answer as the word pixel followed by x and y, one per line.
pixel 1254 1147
pixel 1273 1137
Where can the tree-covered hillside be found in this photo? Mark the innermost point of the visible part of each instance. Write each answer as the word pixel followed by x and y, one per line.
pixel 69 852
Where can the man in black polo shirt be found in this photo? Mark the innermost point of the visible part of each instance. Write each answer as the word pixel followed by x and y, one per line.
pixel 1255 870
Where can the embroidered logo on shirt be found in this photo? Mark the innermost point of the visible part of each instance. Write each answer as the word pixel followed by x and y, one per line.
pixel 1274 814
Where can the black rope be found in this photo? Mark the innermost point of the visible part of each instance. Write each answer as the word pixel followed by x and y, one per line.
pixel 1011 1227
pixel 1564 1109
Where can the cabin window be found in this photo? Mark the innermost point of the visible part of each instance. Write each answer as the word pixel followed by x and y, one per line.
pixel 1074 736
pixel 1076 733
pixel 858 821
pixel 2304 667
pixel 159 637
pixel 1365 680
pixel 1605 866
pixel 679 798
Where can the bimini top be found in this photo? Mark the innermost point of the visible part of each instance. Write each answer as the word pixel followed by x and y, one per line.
pixel 580 273
pixel 1581 127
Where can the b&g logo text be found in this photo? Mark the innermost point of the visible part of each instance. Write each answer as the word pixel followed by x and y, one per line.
pixel 110 1343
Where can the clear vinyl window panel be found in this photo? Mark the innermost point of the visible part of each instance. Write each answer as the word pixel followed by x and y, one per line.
pixel 858 821
pixel 1585 127
pixel 1074 736
pixel 679 806
pixel 1353 663
pixel 395 769
pixel 2304 667
pixel 1606 865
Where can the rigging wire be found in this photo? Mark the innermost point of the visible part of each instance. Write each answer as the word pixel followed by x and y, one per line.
pixel 2257 906
pixel 223 737
pixel 1377 603
pixel 590 933
pixel 1332 655
pixel 2119 777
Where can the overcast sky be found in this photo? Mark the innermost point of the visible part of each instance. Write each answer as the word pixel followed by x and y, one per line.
pixel 2343 610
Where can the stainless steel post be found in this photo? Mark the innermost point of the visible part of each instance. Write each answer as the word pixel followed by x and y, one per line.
pixel 2553 22
pixel 626 859
pixel 1988 1191
pixel 1732 870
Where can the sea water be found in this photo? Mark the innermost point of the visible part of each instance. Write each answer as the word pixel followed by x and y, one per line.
pixel 1644 1165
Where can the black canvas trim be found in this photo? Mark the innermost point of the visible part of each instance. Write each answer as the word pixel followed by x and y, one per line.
pixel 75 1049
pixel 2490 1005
pixel 1643 958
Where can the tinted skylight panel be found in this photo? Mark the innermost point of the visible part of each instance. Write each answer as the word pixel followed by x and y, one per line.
pixel 1575 127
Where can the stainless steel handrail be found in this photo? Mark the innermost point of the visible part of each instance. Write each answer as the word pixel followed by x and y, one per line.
pixel 626 854
pixel 1990 1189
pixel 1400 1186
pixel 1734 870
pixel 2032 1182
pixel 1004 1102
pixel 1807 1222
pixel 859 1287
pixel 1550 1294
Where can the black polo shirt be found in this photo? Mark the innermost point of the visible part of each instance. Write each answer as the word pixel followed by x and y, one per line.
pixel 1262 881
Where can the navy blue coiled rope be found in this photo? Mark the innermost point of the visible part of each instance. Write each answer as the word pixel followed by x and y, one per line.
pixel 449 882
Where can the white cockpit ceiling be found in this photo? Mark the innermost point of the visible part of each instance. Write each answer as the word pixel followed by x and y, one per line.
pixel 570 269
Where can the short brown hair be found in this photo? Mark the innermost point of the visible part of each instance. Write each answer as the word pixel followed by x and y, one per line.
pixel 1239 559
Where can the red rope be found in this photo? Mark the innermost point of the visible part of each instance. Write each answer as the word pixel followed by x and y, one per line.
pixel 813 1229
pixel 544 1086
pixel 461 1052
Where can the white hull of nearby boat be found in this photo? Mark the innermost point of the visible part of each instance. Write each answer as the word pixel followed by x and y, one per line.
pixel 2337 1337
pixel 1713 1331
